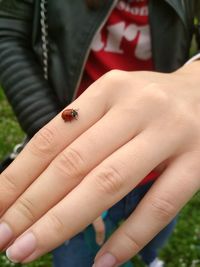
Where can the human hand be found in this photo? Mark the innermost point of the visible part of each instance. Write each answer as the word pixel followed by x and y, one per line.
pixel 100 231
pixel 69 173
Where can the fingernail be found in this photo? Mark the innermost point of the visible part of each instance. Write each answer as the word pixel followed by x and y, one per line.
pixel 22 248
pixel 6 234
pixel 107 260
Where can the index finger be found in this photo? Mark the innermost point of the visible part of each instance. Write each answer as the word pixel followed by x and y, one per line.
pixel 45 146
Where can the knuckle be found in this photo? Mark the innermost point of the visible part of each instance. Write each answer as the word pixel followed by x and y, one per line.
pixel 183 120
pixel 8 183
pixel 162 208
pixel 56 224
pixel 113 74
pixel 43 143
pixel 131 242
pixel 8 191
pixel 109 180
pixel 2 204
pixel 114 77
pixel 71 163
pixel 27 208
pixel 157 95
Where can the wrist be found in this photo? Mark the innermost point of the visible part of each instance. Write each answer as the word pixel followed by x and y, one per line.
pixel 190 71
pixel 193 59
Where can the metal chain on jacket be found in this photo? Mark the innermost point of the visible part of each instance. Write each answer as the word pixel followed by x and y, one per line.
pixel 44 32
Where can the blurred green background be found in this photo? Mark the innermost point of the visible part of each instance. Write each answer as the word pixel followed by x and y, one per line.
pixel 183 249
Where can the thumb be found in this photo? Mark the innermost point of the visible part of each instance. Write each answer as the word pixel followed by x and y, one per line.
pixel 99 227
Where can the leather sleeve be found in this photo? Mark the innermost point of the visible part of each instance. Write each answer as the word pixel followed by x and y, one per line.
pixel 21 76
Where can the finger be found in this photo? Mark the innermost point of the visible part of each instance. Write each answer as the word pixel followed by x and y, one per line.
pixel 68 169
pixel 100 237
pixel 44 147
pixel 101 188
pixel 160 205
pixel 99 227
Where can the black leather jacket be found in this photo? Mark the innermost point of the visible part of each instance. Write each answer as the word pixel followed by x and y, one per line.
pixel 71 27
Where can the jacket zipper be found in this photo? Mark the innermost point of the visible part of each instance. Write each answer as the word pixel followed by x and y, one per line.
pixel 88 50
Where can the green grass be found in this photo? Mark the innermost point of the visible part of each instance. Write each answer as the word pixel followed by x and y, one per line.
pixel 183 249
pixel 10 133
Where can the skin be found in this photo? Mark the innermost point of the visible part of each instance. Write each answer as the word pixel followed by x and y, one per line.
pixel 100 231
pixel 129 123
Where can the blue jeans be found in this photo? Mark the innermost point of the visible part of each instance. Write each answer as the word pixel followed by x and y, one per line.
pixel 81 249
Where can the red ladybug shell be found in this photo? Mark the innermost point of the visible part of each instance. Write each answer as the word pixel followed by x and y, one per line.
pixel 69 114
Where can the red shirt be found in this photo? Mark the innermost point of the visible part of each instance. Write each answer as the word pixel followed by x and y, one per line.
pixel 123 43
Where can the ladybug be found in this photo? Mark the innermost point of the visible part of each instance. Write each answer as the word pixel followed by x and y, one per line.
pixel 69 114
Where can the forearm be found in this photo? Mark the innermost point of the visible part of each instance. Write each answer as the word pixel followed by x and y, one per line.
pixel 189 73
